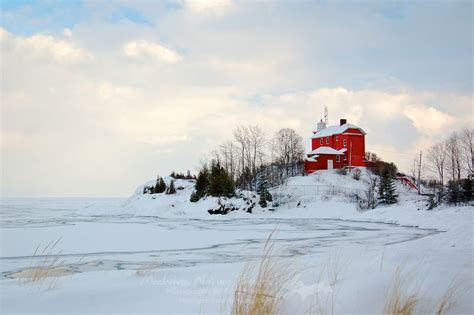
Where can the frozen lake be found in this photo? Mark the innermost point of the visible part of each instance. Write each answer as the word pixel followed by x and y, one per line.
pixel 111 261
pixel 128 242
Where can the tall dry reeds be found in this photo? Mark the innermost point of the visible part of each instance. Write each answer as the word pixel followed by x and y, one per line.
pixel 261 291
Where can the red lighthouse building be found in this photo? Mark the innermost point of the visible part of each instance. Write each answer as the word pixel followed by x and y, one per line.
pixel 335 147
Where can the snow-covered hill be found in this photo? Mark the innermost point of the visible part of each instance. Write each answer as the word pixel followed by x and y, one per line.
pixel 317 191
pixel 179 204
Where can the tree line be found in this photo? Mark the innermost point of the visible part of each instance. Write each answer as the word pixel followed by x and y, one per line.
pixel 249 161
pixel 250 150
pixel 451 160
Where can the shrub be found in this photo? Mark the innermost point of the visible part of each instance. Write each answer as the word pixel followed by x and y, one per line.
pixel 342 171
pixel 177 175
pixel 436 198
pixel 356 173
pixel 380 167
pixel 148 190
pixel 194 197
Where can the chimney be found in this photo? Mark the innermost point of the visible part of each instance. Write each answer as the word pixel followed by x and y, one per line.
pixel 343 122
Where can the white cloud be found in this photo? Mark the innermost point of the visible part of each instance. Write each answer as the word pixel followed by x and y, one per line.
pixel 67 32
pixel 209 6
pixel 142 48
pixel 45 46
pixel 109 91
pixel 429 121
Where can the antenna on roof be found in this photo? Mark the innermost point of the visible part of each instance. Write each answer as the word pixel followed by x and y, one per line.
pixel 326 115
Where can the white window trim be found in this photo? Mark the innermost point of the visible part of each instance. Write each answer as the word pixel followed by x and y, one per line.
pixel 337 138
pixel 327 140
pixel 345 142
pixel 321 141
pixel 338 158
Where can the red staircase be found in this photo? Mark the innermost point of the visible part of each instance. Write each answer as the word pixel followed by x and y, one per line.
pixel 407 181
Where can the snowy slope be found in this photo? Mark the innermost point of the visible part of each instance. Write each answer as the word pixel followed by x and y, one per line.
pixel 299 191
pixel 178 204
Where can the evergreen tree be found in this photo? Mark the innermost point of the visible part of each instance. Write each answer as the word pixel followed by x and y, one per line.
pixel 262 190
pixel 202 185
pixel 216 182
pixel 245 179
pixel 171 190
pixel 467 189
pixel 454 192
pixel 160 186
pixel 220 183
pixel 387 188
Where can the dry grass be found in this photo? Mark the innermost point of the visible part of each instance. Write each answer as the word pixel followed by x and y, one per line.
pixel 455 291
pixel 403 301
pixel 262 292
pixel 400 301
pixel 47 270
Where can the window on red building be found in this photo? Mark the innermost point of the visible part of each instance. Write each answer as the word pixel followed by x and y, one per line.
pixel 327 140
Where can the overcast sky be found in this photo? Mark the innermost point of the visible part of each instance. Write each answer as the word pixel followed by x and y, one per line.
pixel 99 96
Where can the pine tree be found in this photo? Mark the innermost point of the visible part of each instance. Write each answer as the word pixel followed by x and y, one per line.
pixel 454 192
pixel 220 183
pixel 202 185
pixel 467 189
pixel 171 190
pixel 262 190
pixel 160 186
pixel 387 188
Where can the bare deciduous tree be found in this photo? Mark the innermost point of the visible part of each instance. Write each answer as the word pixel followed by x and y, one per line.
pixel 241 137
pixel 288 146
pixel 437 160
pixel 467 147
pixel 256 141
pixel 228 151
pixel 453 151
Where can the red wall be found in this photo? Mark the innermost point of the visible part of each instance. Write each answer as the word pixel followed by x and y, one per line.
pixel 357 155
pixel 322 163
